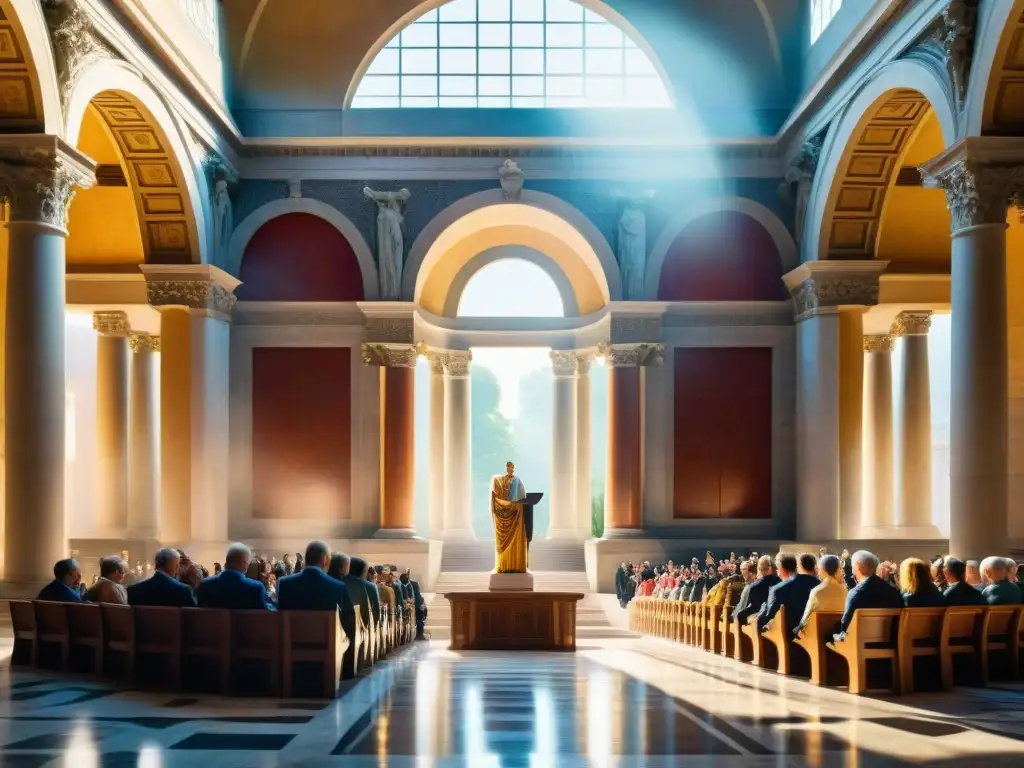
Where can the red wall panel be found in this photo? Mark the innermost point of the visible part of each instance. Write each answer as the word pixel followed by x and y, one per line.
pixel 723 432
pixel 301 432
pixel 299 257
pixel 722 256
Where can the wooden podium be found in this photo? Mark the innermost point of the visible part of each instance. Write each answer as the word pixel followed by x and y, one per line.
pixel 528 504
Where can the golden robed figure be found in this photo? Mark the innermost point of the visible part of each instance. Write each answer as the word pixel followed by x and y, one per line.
pixel 509 523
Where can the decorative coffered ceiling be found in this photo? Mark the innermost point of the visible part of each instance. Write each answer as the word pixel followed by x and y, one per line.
pixel 1005 109
pixel 19 93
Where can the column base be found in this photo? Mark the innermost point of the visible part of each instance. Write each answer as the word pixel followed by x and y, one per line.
pixel 395 533
pixel 623 533
pixel 901 532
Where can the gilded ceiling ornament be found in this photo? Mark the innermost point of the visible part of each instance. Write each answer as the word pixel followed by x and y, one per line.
pixel 39 184
pixel 878 342
pixel 76 43
pixel 110 323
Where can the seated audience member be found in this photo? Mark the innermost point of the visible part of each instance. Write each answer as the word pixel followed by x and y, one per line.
pixel 109 587
pixel 217 568
pixel 755 594
pixel 311 589
pixel 959 592
pixel 67 577
pixel 338 567
pixel 919 590
pixel 728 590
pixel 938 574
pixel 354 586
pixel 871 591
pixel 798 579
pixel 387 593
pixel 1011 574
pixel 621 577
pixel 419 603
pixel 999 590
pixel 361 570
pixel 190 573
pixel 231 588
pixel 254 570
pixel 163 587
pixel 830 594
pixel 973 575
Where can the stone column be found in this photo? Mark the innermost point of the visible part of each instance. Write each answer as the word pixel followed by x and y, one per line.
pixel 977 194
pixel 37 178
pixel 435 525
pixel 877 515
pixel 563 446
pixel 458 515
pixel 914 451
pixel 624 490
pixel 583 455
pixel 143 439
pixel 111 423
pixel 397 365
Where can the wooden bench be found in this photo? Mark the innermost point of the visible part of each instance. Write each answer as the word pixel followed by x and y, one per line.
pixel 206 636
pixel 870 637
pixel 919 637
pixel 775 643
pixel 317 637
pixel 960 637
pixel 1000 634
pixel 85 634
pixel 26 637
pixel 816 633
pixel 256 637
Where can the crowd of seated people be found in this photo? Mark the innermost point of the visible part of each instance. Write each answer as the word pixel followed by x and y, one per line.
pixel 320 580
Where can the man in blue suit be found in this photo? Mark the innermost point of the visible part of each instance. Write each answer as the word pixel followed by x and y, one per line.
pixel 162 588
pixel 67 576
pixel 755 594
pixel 870 592
pixel 793 591
pixel 231 588
pixel 311 589
pixel 959 592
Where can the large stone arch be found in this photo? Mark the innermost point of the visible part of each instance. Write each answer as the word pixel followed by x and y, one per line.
pixel 29 92
pixel 251 224
pixel 167 192
pixel 995 93
pixel 861 155
pixel 494 200
pixel 759 213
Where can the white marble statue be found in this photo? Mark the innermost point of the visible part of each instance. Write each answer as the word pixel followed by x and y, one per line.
pixel 511 177
pixel 632 250
pixel 390 241
pixel 223 218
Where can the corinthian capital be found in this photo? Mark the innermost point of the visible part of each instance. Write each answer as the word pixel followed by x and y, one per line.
pixel 564 362
pixel 631 355
pixel 912 323
pixel 457 362
pixel 821 287
pixel 977 193
pixel 389 355
pixel 878 342
pixel 198 287
pixel 38 176
pixel 113 323
pixel 140 342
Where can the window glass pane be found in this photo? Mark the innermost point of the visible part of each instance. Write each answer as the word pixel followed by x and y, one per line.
pixel 565 62
pixel 495 36
pixel 528 62
pixel 458 35
pixel 565 86
pixel 528 35
pixel 419 61
pixel 528 102
pixel 493 102
pixel 419 85
pixel 603 36
pixel 495 10
pixel 494 62
pixel 419 102
pixel 458 101
pixel 420 36
pixel 458 86
pixel 528 10
pixel 565 35
pixel 593 17
pixel 379 85
pixel 494 86
pixel 606 91
pixel 604 62
pixel 566 102
pixel 459 62
pixel 564 10
pixel 458 10
pixel 386 63
pixel 375 102
pixel 637 63
pixel 646 91
pixel 527 86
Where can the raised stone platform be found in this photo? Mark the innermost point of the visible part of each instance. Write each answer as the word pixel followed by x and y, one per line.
pixel 510 582
pixel 513 621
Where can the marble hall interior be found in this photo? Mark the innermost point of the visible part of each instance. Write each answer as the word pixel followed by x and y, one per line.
pixel 722 278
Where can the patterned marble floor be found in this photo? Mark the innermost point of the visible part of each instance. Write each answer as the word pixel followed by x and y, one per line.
pixel 615 703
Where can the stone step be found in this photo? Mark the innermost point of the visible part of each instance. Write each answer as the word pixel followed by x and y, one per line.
pixel 545 555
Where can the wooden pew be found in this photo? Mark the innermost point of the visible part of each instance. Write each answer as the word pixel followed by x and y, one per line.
pixel 919 636
pixel 313 636
pixel 256 636
pixel 775 635
pixel 757 654
pixel 741 646
pixel 678 607
pixel 26 637
pixel 119 639
pixel 871 636
pixel 52 629
pixel 158 633
pixel 206 634
pixel 727 642
pixel 1000 633
pixel 85 631
pixel 961 636
pixel 817 632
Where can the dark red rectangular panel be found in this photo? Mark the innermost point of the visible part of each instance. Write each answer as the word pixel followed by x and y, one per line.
pixel 723 432
pixel 301 432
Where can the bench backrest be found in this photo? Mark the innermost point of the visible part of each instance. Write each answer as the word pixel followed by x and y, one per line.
pixel 119 623
pixel 157 626
pixel 874 625
pixel 85 620
pixel 51 618
pixel 253 631
pixel 23 617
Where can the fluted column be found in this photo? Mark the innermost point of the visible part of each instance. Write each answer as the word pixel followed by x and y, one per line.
pixel 563 523
pixel 111 422
pixel 914 450
pixel 457 446
pixel 435 524
pixel 977 194
pixel 143 435
pixel 877 510
pixel 583 454
pixel 37 177
pixel 624 493
pixel 397 365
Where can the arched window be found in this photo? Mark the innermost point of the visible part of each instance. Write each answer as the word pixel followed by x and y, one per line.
pixel 822 12
pixel 511 288
pixel 512 53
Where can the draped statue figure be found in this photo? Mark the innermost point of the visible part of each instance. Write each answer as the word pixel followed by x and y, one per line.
pixel 509 523
pixel 390 241
pixel 223 218
pixel 632 250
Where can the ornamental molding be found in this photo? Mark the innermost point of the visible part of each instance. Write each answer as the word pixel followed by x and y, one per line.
pixel 287 313
pixel 976 193
pixel 635 329
pixel 111 323
pixel 822 287
pixel 141 342
pixel 799 177
pixel 457 363
pixel 583 362
pixel 947 48
pixel 38 181
pixel 879 342
pixel 198 294
pixel 389 355
pixel 394 330
pixel 76 43
pixel 565 362
pixel 632 355
pixel 912 323
pixel 436 361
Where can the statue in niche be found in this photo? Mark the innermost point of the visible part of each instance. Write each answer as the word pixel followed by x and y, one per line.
pixel 632 247
pixel 223 218
pixel 390 241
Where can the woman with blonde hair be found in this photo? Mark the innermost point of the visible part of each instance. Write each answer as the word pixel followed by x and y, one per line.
pixel 919 591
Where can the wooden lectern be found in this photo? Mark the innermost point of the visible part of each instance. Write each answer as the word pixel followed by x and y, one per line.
pixel 528 502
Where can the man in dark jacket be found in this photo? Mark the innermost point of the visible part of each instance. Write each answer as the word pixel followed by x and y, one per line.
pixel 230 588
pixel 999 590
pixel 67 577
pixel 162 588
pixel 959 592
pixel 755 594
pixel 870 592
pixel 798 579
pixel 311 589
pixel 620 583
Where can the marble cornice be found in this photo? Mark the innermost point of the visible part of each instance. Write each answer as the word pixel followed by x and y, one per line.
pixel 822 287
pixel 285 313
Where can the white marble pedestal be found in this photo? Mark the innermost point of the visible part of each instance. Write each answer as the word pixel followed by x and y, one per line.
pixel 510 582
